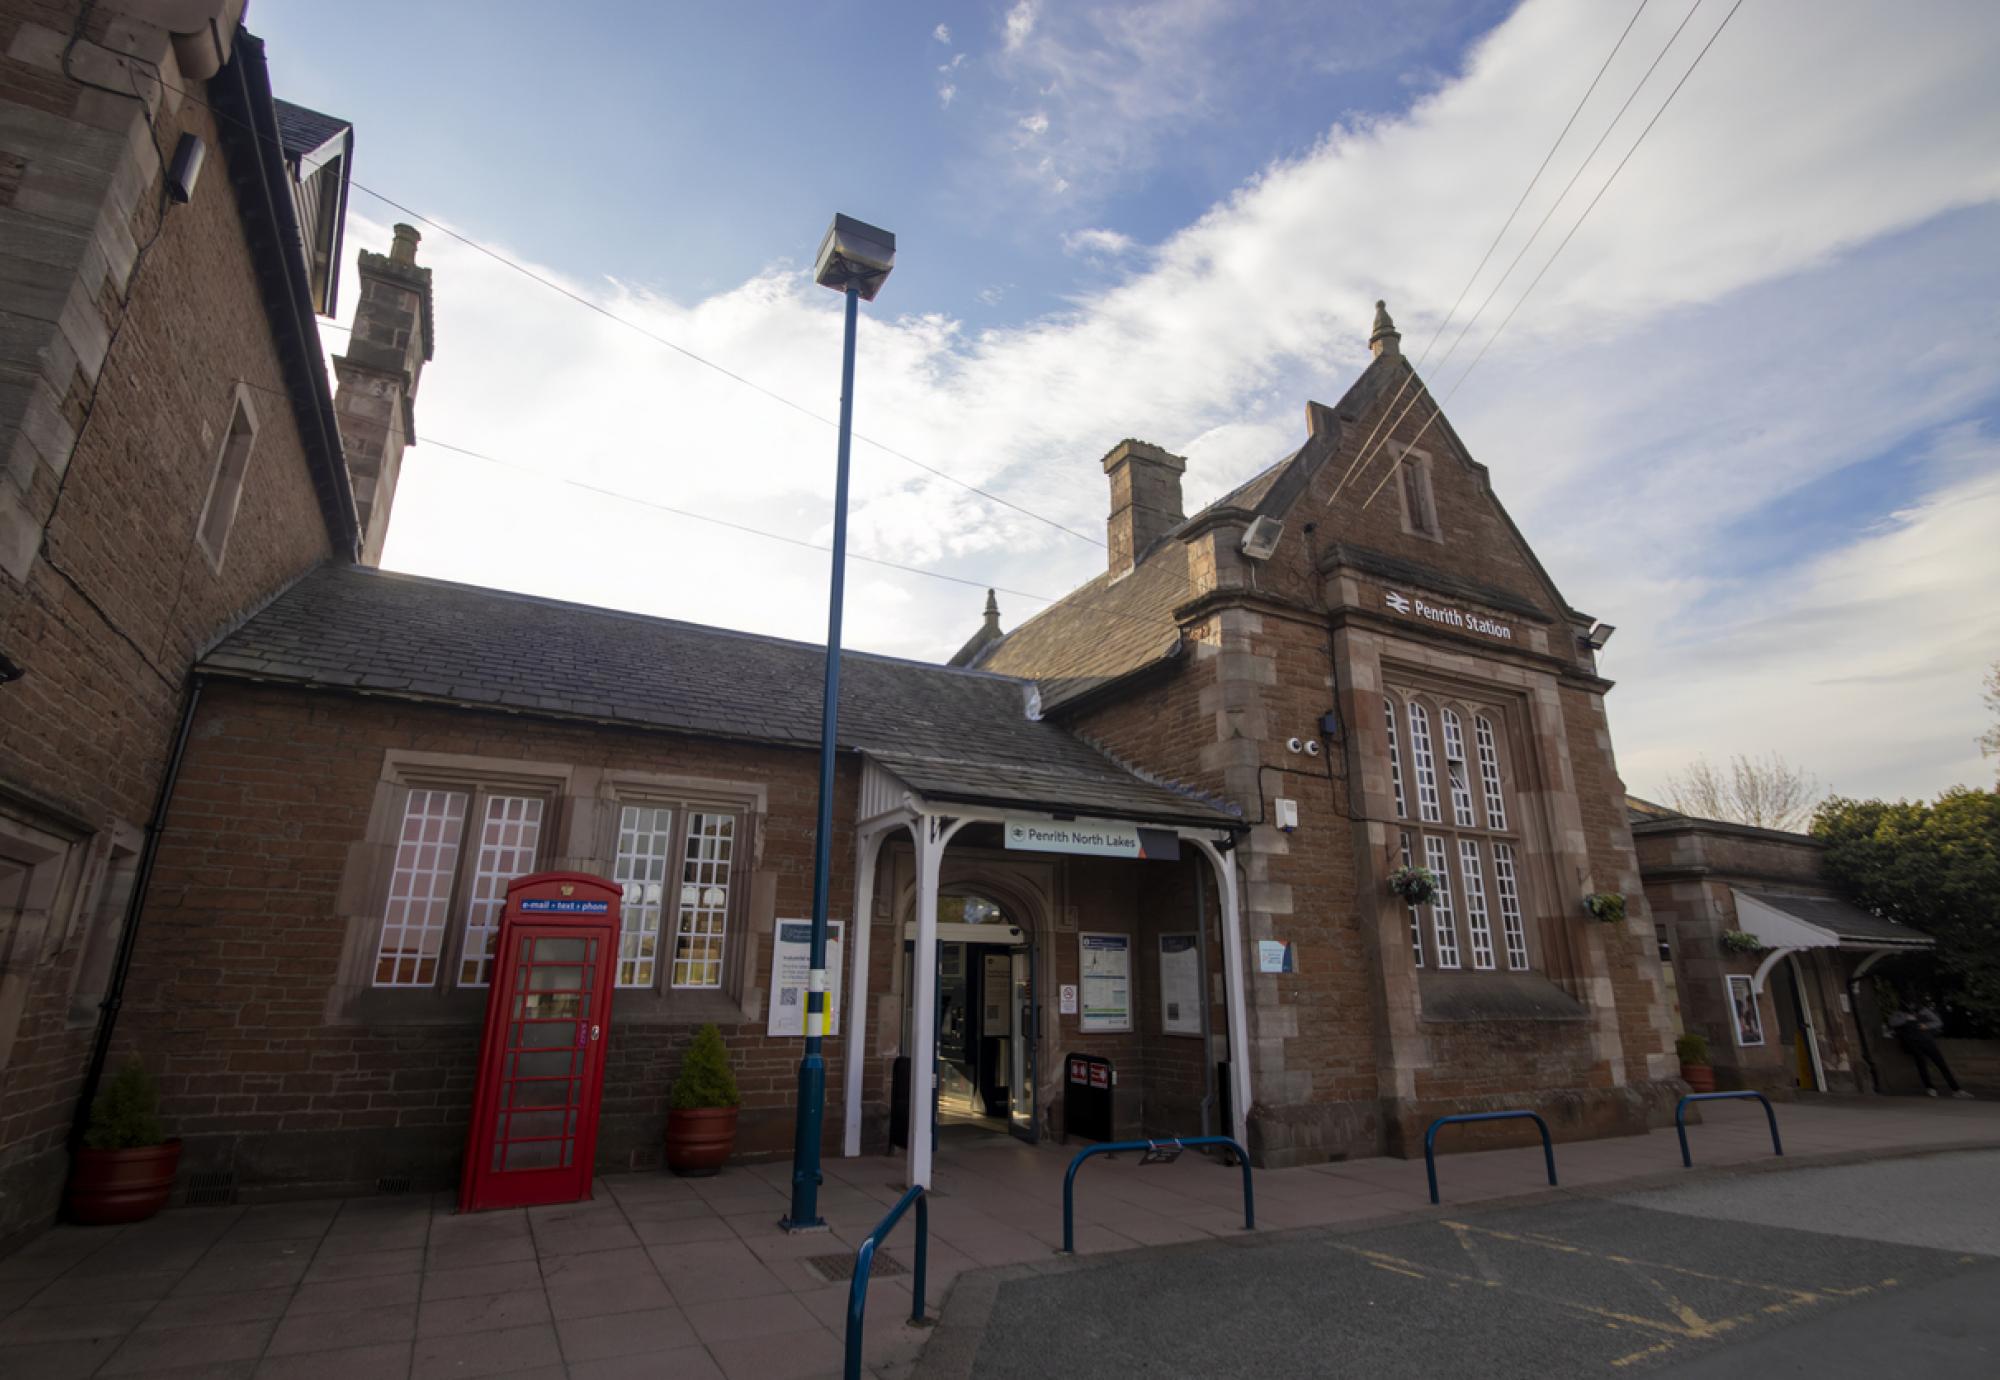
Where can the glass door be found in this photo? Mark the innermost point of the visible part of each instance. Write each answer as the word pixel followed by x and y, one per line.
pixel 1021 1047
pixel 548 1067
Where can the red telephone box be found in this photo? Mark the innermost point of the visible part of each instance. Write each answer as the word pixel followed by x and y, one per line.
pixel 541 1059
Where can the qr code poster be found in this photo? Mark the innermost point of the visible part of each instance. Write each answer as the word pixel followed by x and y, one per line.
pixel 791 958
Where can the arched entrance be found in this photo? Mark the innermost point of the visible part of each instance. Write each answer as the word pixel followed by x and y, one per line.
pixel 988 1060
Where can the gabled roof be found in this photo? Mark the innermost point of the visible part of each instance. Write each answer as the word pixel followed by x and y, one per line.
pixel 372 631
pixel 1106 629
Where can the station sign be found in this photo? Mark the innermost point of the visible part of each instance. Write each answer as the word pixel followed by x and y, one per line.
pixel 1446 616
pixel 1095 838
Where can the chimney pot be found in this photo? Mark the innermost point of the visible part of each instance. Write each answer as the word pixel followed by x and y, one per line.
pixel 404 250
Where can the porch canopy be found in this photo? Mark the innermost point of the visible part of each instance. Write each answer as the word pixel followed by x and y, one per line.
pixel 1785 924
pixel 934 794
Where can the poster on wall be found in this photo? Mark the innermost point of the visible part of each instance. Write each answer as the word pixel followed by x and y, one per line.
pixel 1744 1016
pixel 1106 971
pixel 995 987
pixel 1180 985
pixel 791 951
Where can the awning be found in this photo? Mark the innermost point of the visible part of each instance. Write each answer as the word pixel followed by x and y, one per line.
pixel 1820 922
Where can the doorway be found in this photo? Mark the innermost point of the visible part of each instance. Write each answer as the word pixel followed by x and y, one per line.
pixel 985 1060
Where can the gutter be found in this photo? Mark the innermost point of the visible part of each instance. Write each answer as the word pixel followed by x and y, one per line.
pixel 257 171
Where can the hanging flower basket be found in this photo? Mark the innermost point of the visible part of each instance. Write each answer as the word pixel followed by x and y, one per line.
pixel 1608 906
pixel 1741 942
pixel 1414 884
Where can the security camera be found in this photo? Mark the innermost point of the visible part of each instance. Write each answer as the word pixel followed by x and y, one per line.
pixel 1294 745
pixel 1312 747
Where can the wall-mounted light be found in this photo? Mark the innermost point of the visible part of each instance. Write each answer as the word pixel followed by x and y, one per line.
pixel 1599 634
pixel 1260 539
pixel 185 169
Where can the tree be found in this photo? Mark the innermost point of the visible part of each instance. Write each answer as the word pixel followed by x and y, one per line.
pixel 1935 868
pixel 1766 793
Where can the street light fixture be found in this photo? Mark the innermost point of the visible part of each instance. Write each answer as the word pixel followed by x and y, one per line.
pixel 854 259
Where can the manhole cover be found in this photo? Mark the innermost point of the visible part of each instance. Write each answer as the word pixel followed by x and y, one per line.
pixel 836 1268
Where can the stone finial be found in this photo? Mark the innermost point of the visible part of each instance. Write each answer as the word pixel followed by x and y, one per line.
pixel 992 613
pixel 988 634
pixel 1385 339
pixel 404 250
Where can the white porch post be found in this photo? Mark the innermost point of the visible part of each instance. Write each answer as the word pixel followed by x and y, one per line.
pixel 933 833
pixel 867 849
pixel 1237 991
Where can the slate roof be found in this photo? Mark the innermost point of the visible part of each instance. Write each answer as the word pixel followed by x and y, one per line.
pixel 1843 918
pixel 964 735
pixel 301 131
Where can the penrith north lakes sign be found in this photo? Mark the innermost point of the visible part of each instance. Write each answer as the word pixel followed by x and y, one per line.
pixel 1418 607
pixel 1095 838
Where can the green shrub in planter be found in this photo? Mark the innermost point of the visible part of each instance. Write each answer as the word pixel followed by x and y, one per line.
pixel 1608 906
pixel 126 1115
pixel 1741 942
pixel 1414 884
pixel 706 1080
pixel 1692 1049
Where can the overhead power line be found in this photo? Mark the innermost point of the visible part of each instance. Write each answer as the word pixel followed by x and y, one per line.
pixel 1438 408
pixel 1361 454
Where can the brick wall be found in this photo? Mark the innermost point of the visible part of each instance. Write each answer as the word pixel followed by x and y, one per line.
pixel 112 441
pixel 243 934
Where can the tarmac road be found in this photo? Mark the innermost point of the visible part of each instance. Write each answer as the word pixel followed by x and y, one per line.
pixel 1883 1269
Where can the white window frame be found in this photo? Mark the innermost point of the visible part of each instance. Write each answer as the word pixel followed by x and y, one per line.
pixel 497 863
pixel 1478 925
pixel 1396 766
pixel 414 886
pixel 1489 773
pixel 645 874
pixel 699 918
pixel 1425 764
pixel 1506 888
pixel 1444 926
pixel 1456 768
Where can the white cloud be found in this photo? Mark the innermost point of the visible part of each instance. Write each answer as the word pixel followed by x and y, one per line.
pixel 1036 124
pixel 1020 23
pixel 946 93
pixel 1099 242
pixel 1700 353
pixel 942 33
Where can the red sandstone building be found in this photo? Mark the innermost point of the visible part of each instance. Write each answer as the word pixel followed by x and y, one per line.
pixel 1152 826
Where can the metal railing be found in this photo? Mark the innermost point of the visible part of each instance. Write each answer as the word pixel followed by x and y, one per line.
pixel 1680 1119
pixel 1430 1142
pixel 864 1260
pixel 1157 1152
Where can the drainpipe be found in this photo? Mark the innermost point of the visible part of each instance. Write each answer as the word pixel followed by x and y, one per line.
pixel 128 935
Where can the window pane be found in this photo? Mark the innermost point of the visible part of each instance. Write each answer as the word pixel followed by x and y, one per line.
pixel 1416 918
pixel 1444 929
pixel 1454 766
pixel 1426 765
pixel 703 903
pixel 507 846
pixel 645 849
pixel 420 890
pixel 1504 886
pixel 1476 924
pixel 1489 773
pixel 1396 770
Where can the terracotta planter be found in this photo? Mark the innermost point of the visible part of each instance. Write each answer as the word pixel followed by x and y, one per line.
pixel 115 1186
pixel 699 1141
pixel 1699 1077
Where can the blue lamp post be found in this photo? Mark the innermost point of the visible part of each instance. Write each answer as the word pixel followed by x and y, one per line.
pixel 854 259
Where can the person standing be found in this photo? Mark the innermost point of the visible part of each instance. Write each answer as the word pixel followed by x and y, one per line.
pixel 1917 1031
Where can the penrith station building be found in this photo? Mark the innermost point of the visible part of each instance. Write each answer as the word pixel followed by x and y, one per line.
pixel 1123 869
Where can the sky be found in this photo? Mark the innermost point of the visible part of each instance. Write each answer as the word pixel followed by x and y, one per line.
pixel 1743 398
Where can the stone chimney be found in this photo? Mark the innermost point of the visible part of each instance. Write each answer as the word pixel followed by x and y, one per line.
pixel 378 376
pixel 1385 339
pixel 1145 501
